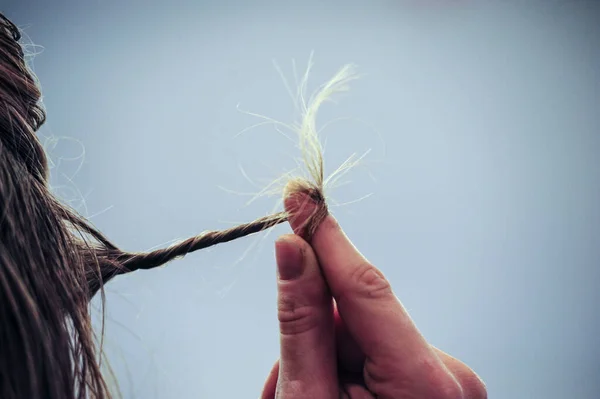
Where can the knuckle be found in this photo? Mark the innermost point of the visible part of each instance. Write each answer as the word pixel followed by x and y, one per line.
pixel 294 317
pixel 369 282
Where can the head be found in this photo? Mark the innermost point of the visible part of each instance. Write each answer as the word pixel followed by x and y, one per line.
pixel 49 268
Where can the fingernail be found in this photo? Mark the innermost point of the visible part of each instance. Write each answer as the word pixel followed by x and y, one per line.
pixel 290 259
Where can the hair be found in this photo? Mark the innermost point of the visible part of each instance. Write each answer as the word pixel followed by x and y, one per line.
pixel 53 261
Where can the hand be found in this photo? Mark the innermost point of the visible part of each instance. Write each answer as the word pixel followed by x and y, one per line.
pixel 343 332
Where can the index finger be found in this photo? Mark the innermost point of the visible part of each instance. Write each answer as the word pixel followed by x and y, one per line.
pixel 372 313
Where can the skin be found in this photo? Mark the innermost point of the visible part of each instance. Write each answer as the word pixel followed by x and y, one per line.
pixel 343 332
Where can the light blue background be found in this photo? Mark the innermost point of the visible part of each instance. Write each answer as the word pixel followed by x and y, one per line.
pixel 483 119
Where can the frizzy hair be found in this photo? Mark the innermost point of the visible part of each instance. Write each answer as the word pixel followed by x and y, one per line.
pixel 53 261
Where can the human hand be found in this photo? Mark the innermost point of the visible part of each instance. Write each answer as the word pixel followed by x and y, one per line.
pixel 343 332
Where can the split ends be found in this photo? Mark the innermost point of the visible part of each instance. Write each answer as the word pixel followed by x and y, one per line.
pixel 307 189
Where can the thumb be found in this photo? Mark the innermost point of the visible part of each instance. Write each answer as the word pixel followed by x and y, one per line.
pixel 305 310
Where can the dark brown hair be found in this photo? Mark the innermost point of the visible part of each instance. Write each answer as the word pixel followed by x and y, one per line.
pixel 52 261
pixel 47 261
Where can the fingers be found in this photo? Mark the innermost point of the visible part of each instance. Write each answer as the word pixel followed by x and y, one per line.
pixel 370 310
pixel 375 326
pixel 308 357
pixel 374 317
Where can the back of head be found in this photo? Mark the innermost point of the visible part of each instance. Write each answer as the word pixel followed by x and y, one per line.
pixel 46 341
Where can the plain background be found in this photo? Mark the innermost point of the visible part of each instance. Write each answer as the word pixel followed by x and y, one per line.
pixel 484 124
